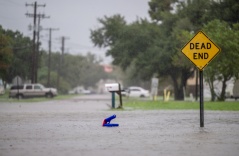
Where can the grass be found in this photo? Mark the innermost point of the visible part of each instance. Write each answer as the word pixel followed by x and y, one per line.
pixel 181 105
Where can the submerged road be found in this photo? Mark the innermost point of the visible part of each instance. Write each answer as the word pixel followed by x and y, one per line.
pixel 73 128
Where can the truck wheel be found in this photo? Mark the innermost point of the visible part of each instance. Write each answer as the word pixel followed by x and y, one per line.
pixel 142 96
pixel 49 95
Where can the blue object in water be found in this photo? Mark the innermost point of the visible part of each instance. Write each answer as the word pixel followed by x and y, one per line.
pixel 111 125
pixel 107 121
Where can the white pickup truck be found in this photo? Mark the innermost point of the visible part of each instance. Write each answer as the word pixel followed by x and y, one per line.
pixel 31 90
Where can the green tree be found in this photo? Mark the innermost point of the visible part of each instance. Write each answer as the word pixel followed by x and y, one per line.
pixel 155 47
pixel 21 54
pixel 107 36
pixel 196 11
pixel 124 43
pixel 82 70
pixel 158 9
pixel 199 13
pixel 77 70
pixel 149 47
pixel 225 65
pixel 225 10
pixel 5 56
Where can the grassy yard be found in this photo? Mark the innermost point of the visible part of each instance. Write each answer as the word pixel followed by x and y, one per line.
pixel 181 105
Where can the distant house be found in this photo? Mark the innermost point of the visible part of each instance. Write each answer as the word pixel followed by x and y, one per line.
pixel 108 68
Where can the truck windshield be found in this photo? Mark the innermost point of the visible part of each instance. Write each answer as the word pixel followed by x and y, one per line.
pixel 39 86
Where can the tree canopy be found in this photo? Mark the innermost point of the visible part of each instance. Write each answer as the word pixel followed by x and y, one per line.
pixel 17 54
pixel 225 65
pixel 154 47
pixel 5 55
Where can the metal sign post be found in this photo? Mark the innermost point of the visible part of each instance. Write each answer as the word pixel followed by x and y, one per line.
pixel 201 99
pixel 113 99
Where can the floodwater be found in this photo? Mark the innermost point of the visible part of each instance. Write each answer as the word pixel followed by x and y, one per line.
pixel 74 128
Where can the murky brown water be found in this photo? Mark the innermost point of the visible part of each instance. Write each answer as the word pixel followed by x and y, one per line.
pixel 74 128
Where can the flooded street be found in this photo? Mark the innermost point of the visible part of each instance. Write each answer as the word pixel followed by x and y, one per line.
pixel 74 128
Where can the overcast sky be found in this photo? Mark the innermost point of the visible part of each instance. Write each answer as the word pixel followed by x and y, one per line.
pixel 74 18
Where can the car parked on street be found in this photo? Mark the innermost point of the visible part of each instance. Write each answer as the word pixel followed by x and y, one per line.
pixel 135 91
pixel 31 90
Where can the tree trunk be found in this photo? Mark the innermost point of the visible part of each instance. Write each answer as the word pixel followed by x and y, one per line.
pixel 223 91
pixel 211 86
pixel 178 89
pixel 179 95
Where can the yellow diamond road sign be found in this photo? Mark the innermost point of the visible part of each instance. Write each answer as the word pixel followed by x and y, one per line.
pixel 200 50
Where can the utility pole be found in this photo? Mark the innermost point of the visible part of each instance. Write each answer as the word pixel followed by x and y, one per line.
pixel 60 66
pixel 34 60
pixel 196 88
pixel 49 56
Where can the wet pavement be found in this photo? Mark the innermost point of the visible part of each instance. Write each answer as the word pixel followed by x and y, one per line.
pixel 73 128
